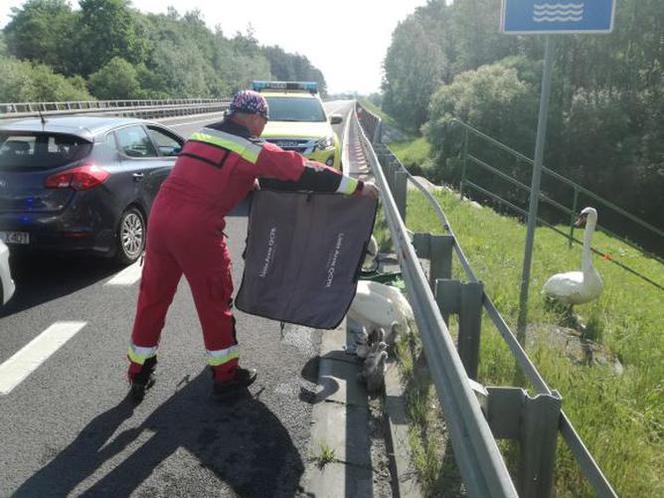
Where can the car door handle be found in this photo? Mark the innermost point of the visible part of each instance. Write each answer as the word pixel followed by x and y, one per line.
pixel 138 176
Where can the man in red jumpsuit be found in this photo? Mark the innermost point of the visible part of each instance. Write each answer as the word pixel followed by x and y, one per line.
pixel 217 168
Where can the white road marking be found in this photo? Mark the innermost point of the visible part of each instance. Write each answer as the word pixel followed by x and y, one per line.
pixel 37 351
pixel 128 276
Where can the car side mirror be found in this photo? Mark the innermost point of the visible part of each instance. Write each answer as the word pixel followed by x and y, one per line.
pixel 335 119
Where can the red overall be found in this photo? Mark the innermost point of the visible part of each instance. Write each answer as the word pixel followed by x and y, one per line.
pixel 214 172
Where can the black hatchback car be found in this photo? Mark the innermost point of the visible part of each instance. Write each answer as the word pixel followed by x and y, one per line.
pixel 82 183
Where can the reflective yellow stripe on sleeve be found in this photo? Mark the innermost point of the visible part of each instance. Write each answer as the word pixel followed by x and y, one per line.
pixel 244 148
pixel 347 185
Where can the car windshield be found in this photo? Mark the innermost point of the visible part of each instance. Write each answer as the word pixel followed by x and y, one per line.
pixel 295 109
pixel 40 151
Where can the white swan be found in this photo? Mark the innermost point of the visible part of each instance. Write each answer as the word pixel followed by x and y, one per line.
pixel 379 305
pixel 578 287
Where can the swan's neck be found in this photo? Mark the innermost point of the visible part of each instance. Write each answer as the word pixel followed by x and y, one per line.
pixel 586 256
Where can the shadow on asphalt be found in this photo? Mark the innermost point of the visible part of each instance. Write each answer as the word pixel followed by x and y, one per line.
pixel 241 442
pixel 42 278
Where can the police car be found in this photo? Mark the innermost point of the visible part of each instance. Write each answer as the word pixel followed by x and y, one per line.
pixel 298 120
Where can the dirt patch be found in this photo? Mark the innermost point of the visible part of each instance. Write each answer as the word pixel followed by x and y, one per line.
pixel 573 344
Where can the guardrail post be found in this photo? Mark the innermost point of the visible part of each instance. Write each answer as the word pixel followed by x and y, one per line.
pixel 470 326
pixel 442 247
pixel 438 250
pixel 533 422
pixel 465 300
pixel 400 192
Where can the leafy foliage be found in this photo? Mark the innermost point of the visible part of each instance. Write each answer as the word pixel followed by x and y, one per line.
pixel 27 82
pixel 118 79
pixel 289 67
pixel 606 112
pixel 147 55
pixel 43 31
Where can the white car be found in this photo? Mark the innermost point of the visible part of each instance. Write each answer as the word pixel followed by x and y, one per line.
pixel 7 287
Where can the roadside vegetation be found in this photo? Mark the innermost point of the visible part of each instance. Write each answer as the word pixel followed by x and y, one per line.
pixel 606 127
pixel 414 155
pixel 609 370
pixel 109 50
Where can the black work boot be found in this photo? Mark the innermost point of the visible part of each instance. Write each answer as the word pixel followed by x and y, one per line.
pixel 143 380
pixel 242 379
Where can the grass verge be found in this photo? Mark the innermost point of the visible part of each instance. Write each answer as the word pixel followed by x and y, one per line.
pixel 619 414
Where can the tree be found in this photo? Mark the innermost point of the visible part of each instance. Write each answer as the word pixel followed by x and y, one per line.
pixel 27 82
pixel 117 80
pixel 42 31
pixel 108 28
pixel 3 45
pixel 492 98
pixel 413 70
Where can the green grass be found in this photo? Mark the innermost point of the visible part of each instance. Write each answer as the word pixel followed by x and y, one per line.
pixel 379 112
pixel 411 152
pixel 326 455
pixel 619 417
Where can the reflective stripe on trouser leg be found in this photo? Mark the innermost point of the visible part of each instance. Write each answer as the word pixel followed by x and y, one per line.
pixel 221 357
pixel 208 271
pixel 159 281
pixel 138 354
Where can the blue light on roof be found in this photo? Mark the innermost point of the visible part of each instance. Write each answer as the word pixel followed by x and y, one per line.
pixel 307 86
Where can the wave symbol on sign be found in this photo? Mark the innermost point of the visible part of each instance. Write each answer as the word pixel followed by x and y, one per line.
pixel 558 12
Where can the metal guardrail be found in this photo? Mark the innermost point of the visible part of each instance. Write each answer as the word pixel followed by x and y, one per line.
pixel 137 108
pixel 480 462
pixel 577 189
pixel 540 417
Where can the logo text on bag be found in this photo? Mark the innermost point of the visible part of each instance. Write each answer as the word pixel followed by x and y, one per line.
pixel 269 256
pixel 333 261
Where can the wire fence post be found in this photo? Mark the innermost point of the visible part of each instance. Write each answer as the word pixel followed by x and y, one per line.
pixel 464 163
pixel 573 215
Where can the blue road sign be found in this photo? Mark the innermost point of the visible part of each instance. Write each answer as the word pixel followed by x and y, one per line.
pixel 557 16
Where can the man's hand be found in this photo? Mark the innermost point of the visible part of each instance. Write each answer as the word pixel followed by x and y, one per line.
pixel 369 189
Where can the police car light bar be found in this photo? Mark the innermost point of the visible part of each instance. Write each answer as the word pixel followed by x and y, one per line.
pixel 310 86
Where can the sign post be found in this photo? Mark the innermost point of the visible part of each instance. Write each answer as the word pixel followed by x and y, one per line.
pixel 521 17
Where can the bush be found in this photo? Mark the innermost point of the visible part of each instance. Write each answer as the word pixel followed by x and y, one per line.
pixel 117 80
pixel 26 82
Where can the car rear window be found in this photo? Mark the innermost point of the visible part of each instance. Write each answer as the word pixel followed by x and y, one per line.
pixel 40 151
pixel 295 109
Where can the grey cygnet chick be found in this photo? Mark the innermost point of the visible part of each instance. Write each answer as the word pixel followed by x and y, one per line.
pixel 373 370
pixel 362 344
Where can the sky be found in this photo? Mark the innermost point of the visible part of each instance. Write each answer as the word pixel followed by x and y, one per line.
pixel 346 39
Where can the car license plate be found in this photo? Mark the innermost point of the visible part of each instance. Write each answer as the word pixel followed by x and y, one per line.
pixel 15 237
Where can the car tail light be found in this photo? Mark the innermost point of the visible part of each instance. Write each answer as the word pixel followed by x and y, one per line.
pixel 79 178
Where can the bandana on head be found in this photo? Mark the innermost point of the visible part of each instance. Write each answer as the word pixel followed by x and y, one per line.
pixel 249 102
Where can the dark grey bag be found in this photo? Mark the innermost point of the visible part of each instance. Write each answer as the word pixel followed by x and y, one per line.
pixel 303 257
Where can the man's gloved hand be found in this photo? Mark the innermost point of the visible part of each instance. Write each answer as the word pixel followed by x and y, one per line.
pixel 369 189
